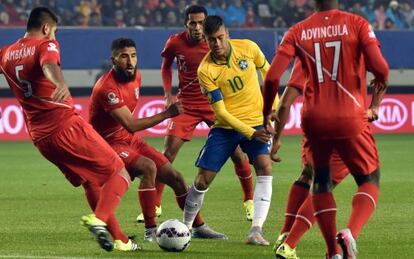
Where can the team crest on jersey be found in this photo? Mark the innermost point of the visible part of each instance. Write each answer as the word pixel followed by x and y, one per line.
pixel 112 99
pixel 137 93
pixel 243 64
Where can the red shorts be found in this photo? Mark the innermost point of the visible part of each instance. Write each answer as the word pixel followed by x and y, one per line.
pixel 184 124
pixel 132 148
pixel 81 154
pixel 337 167
pixel 359 153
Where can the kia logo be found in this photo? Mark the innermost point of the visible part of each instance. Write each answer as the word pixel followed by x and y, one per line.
pixel 150 109
pixel 392 114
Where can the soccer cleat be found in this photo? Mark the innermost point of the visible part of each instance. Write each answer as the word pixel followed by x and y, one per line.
pixel 280 240
pixel 286 252
pixel 150 234
pixel 130 246
pixel 255 237
pixel 248 207
pixel 158 212
pixel 347 243
pixel 205 232
pixel 98 228
pixel 336 256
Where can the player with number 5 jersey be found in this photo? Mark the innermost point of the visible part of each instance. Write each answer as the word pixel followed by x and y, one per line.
pixel 31 67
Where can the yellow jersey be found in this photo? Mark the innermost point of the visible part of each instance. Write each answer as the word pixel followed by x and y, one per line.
pixel 238 82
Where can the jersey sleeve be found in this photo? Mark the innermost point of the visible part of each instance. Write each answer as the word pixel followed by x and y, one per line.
pixel 287 45
pixel 259 58
pixel 366 34
pixel 168 51
pixel 49 51
pixel 110 98
pixel 206 84
pixel 297 78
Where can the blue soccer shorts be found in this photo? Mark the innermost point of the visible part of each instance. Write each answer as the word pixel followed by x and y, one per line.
pixel 221 143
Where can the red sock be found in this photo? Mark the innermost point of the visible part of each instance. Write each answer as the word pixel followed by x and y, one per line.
pixel 303 222
pixel 325 213
pixel 111 194
pixel 147 199
pixel 244 173
pixel 160 188
pixel 92 195
pixel 363 205
pixel 198 221
pixel 297 195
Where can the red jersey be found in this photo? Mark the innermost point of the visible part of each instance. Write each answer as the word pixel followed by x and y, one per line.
pixel 188 56
pixel 330 46
pixel 21 63
pixel 109 94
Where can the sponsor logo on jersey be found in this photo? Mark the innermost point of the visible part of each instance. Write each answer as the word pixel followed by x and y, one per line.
pixel 124 154
pixel 392 114
pixel 243 64
pixel 52 47
pixel 112 99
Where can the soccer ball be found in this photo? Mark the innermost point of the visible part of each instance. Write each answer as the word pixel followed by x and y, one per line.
pixel 173 236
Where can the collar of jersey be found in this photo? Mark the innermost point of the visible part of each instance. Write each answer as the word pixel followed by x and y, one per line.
pixel 227 60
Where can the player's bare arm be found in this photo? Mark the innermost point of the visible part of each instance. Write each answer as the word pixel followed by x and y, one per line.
pixel 124 116
pixel 280 116
pixel 53 72
pixel 166 74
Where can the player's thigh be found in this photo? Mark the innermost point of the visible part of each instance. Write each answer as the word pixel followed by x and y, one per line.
pixel 131 158
pixel 183 126
pixel 238 155
pixel 150 152
pixel 337 167
pixel 254 148
pixel 359 153
pixel 81 154
pixel 318 152
pixel 220 144
pixel 172 145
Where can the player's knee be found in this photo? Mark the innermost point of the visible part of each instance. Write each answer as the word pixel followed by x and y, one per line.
pixel 145 167
pixel 307 175
pixel 202 181
pixel 373 178
pixel 238 156
pixel 322 181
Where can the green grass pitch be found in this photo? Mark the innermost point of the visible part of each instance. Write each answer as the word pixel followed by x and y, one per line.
pixel 40 212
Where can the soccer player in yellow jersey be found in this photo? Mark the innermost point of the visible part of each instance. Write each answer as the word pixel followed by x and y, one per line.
pixel 228 77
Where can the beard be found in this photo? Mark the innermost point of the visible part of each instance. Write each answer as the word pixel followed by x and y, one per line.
pixel 124 75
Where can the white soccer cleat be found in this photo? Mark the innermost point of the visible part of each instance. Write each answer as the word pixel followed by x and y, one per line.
pixel 347 243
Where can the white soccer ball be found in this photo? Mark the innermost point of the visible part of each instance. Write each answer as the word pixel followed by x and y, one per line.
pixel 173 236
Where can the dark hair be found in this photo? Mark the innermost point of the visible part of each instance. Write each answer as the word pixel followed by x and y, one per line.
pixel 121 43
pixel 212 24
pixel 193 9
pixel 39 16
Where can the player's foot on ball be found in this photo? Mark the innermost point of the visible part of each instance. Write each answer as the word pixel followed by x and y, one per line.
pixel 130 246
pixel 158 212
pixel 204 231
pixel 150 234
pixel 98 228
pixel 347 243
pixel 255 237
pixel 280 240
pixel 286 252
pixel 249 208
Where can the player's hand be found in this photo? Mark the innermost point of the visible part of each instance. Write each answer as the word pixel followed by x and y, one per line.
pixel 262 135
pixel 60 94
pixel 274 150
pixel 268 125
pixel 175 109
pixel 169 100
pixel 372 114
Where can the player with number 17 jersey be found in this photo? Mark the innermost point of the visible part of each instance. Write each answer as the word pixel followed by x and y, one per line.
pixel 329 44
pixel 21 63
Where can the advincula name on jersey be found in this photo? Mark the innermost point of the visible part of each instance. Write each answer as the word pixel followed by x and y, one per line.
pixel 324 32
